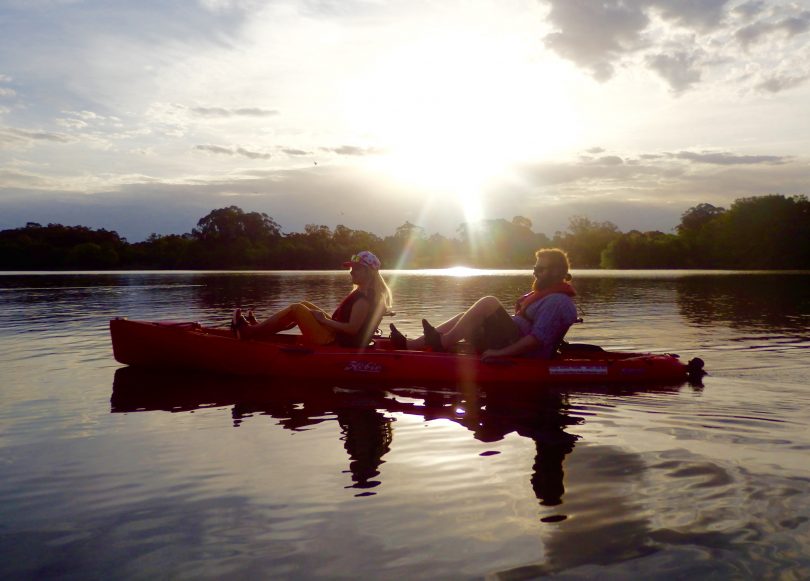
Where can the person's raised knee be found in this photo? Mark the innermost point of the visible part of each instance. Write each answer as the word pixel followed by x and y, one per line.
pixel 490 302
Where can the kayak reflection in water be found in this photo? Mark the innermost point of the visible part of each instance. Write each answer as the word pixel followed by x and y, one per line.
pixel 351 325
pixel 541 320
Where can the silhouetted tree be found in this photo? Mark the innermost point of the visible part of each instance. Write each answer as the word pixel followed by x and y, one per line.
pixel 585 240
pixel 770 232
pixel 644 250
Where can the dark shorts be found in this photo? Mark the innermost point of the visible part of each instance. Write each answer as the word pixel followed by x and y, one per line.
pixel 498 331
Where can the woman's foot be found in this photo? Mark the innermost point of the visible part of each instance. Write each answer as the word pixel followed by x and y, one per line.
pixel 433 338
pixel 397 339
pixel 238 324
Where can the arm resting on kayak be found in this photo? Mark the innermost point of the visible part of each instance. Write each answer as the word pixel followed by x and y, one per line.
pixel 519 347
pixel 356 319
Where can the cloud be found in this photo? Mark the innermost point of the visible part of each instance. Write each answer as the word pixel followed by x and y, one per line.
pixel 796 24
pixel 655 174
pixel 252 154
pixel 607 160
pixel 749 9
pixel 294 198
pixel 16 179
pixel 777 83
pixel 594 35
pixel 15 137
pixel 790 26
pixel 217 149
pixel 679 69
pixel 725 158
pixel 214 112
pixel 598 35
pixel 290 151
pixel 699 15
pixel 353 150
pixel 680 40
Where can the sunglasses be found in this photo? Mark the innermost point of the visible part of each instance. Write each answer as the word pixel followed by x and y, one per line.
pixel 539 269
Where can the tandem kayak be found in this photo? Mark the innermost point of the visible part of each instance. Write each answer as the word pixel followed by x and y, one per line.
pixel 191 346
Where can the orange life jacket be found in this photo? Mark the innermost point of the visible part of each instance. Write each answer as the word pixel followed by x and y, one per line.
pixel 523 302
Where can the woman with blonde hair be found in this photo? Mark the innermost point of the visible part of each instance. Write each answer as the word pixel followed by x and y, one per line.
pixel 352 324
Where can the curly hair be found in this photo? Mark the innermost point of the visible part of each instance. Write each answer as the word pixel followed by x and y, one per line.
pixel 559 261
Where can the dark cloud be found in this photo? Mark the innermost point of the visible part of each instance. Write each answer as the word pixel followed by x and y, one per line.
pixel 214 112
pixel 289 151
pixel 724 158
pixel 607 160
pixel 251 154
pixel 790 26
pixel 219 150
pixel 679 70
pixel 595 150
pixel 652 172
pixel 353 150
pixel 9 176
pixel 749 9
pixel 294 198
pixel 10 135
pixel 750 34
pixel 214 149
pixel 608 169
pixel 699 15
pixel 597 35
pixel 594 35
pixel 776 84
pixel 600 36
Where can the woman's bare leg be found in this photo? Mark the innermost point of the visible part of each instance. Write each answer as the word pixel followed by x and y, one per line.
pixel 278 321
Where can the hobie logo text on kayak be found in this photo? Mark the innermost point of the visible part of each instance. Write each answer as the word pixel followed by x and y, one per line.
pixel 362 367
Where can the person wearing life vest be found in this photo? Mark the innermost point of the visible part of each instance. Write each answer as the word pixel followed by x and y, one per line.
pixel 541 320
pixel 352 324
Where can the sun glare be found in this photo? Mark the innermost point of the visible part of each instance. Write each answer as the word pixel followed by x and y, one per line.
pixel 454 112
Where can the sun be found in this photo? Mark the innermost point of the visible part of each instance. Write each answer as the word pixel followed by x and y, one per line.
pixel 454 112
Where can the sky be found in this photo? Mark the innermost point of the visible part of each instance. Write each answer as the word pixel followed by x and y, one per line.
pixel 143 116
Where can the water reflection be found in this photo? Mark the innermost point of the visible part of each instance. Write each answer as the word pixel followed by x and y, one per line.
pixel 604 493
pixel 366 416
pixel 771 301
pixel 366 433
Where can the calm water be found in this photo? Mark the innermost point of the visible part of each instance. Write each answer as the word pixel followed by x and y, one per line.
pixel 106 473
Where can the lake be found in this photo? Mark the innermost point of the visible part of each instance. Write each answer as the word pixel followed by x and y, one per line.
pixel 106 472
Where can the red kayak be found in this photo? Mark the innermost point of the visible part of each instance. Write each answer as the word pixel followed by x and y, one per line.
pixel 191 346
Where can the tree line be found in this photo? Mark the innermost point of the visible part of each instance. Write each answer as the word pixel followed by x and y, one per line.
pixel 768 232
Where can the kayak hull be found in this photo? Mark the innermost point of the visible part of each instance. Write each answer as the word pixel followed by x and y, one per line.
pixel 190 346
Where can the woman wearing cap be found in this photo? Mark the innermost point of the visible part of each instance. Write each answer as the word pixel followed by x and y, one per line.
pixel 351 325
